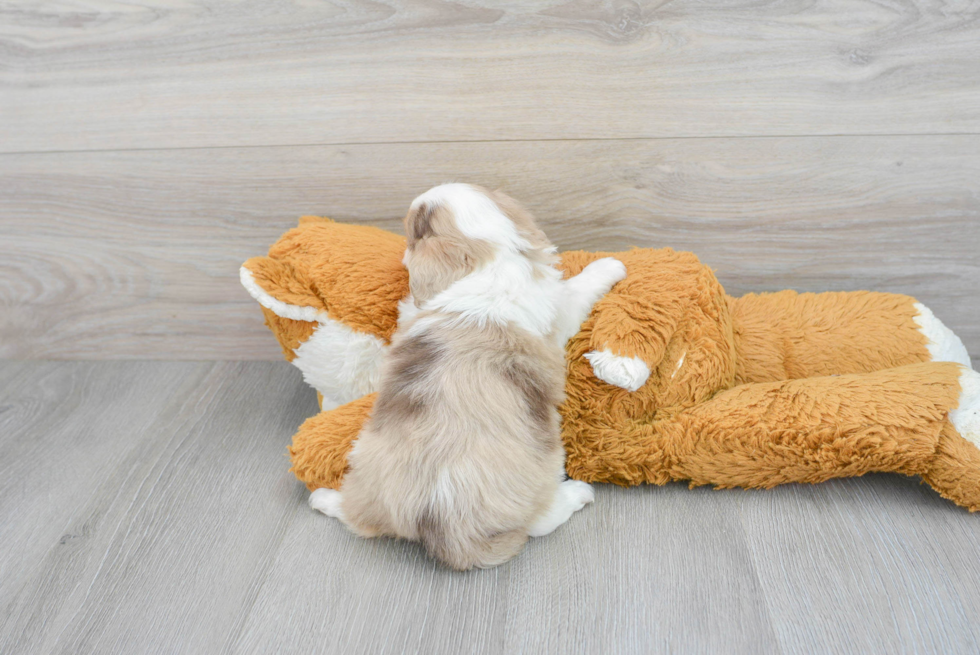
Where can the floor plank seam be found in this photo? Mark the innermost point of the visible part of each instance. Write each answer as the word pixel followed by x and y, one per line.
pixel 339 144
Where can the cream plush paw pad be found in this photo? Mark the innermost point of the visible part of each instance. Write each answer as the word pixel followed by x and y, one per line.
pixel 966 417
pixel 941 342
pixel 624 372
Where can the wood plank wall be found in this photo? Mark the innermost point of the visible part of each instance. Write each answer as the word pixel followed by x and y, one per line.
pixel 146 150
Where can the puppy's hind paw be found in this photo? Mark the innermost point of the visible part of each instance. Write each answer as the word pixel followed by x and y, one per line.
pixel 578 494
pixel 327 501
pixel 572 496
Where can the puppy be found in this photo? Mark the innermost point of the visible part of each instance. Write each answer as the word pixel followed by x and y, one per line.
pixel 462 451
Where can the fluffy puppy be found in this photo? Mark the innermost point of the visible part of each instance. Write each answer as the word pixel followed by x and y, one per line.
pixel 462 451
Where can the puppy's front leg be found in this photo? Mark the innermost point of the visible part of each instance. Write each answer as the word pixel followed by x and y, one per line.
pixel 572 496
pixel 581 292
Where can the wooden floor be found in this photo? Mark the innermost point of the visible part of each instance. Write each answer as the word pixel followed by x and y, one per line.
pixel 147 507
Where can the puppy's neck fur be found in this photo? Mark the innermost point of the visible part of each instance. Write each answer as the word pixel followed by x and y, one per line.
pixel 510 290
pixel 496 265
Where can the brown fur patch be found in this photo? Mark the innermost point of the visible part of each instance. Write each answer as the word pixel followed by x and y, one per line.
pixel 291 334
pixel 522 219
pixel 538 392
pixel 438 252
pixel 431 533
pixel 409 362
pixel 418 224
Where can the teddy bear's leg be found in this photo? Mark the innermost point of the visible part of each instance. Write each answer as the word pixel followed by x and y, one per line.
pixel 955 470
pixel 789 335
pixel 320 447
pixel 919 419
pixel 811 430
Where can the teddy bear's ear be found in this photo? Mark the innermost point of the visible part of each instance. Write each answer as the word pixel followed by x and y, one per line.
pixel 331 294
pixel 282 289
pixel 339 362
pixel 291 311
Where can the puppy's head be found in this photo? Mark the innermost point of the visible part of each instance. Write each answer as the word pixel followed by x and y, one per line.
pixel 456 229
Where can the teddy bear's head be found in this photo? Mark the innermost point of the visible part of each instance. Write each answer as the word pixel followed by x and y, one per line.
pixel 331 293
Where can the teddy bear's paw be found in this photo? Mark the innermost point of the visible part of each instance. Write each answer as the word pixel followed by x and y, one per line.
pixel 628 373
pixel 605 273
pixel 572 496
pixel 941 342
pixel 327 501
pixel 966 417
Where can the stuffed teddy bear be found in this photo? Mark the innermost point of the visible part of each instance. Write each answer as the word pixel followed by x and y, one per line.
pixel 668 379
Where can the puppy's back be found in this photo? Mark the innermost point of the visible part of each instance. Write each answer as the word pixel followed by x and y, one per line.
pixel 463 443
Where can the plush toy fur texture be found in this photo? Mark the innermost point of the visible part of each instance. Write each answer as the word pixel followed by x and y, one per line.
pixel 732 392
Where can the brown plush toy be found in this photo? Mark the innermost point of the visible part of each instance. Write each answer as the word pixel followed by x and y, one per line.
pixel 668 379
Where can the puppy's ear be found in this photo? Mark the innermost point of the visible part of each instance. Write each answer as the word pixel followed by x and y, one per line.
pixel 418 224
pixel 541 249
pixel 435 264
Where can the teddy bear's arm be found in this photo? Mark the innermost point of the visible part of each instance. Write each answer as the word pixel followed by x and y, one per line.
pixel 631 326
pixel 628 338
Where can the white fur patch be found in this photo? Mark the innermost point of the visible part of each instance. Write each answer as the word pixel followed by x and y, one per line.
pixel 406 311
pixel 572 496
pixel 327 501
pixel 943 345
pixel 581 292
pixel 628 373
pixel 966 417
pixel 339 362
pixel 509 290
pixel 477 216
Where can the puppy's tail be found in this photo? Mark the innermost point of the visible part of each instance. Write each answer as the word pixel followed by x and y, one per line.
pixel 449 542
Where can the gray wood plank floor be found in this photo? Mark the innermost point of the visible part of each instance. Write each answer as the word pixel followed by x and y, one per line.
pixel 147 508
